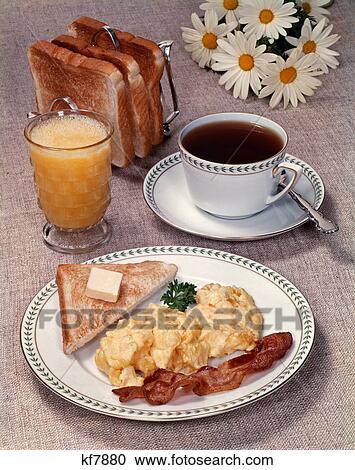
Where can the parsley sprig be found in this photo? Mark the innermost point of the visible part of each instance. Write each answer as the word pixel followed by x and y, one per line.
pixel 179 295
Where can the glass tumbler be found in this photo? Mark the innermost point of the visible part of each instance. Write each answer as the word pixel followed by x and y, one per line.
pixel 72 178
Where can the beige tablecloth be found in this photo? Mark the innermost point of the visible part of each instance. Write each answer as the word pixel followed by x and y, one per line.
pixel 316 408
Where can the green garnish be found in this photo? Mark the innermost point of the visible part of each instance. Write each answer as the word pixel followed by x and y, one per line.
pixel 179 295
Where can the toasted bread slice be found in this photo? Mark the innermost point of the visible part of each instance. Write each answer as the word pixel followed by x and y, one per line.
pixel 147 54
pixel 92 84
pixel 138 103
pixel 83 318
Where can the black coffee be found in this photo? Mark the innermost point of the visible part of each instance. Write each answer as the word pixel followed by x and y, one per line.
pixel 232 142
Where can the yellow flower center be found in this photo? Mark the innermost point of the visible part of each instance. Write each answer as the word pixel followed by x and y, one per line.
pixel 230 4
pixel 266 16
pixel 288 75
pixel 246 62
pixel 209 40
pixel 309 46
pixel 307 7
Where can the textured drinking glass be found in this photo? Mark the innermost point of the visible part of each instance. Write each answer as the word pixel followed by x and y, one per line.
pixel 72 182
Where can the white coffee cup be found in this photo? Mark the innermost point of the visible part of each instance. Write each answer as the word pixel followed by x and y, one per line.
pixel 236 191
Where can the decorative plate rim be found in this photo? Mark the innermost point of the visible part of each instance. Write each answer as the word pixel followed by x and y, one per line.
pixel 174 159
pixel 31 354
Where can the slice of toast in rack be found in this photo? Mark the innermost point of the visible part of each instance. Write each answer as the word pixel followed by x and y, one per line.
pixel 138 103
pixel 91 83
pixel 147 54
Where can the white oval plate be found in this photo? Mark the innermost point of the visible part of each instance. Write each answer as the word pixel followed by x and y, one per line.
pixel 166 193
pixel 77 379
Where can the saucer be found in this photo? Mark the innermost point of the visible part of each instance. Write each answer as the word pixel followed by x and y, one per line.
pixel 166 193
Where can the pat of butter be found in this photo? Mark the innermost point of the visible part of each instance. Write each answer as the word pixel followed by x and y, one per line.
pixel 103 284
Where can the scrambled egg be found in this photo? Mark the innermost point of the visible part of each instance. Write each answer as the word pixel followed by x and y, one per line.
pixel 224 320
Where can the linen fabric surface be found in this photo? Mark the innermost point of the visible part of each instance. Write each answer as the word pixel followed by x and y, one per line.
pixel 315 410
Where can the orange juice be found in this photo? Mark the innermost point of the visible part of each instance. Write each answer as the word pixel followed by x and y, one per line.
pixel 72 169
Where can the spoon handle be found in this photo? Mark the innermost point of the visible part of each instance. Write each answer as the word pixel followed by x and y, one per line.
pixel 322 224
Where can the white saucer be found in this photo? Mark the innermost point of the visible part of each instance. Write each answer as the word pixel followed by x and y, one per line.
pixel 166 193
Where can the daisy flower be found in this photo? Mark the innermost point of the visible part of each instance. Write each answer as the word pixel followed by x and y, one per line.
pixel 242 62
pixel 267 17
pixel 317 41
pixel 202 41
pixel 291 79
pixel 314 8
pixel 224 8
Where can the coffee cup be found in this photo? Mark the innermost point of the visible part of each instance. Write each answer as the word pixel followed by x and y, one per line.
pixel 236 190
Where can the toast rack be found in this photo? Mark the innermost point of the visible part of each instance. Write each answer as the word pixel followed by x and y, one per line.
pixel 165 47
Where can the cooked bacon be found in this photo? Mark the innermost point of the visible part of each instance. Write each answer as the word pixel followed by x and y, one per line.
pixel 160 387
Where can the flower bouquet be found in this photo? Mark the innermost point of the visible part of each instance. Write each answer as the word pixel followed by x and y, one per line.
pixel 272 47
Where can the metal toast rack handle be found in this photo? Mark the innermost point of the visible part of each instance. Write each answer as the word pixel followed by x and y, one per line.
pixel 106 29
pixel 65 99
pixel 165 47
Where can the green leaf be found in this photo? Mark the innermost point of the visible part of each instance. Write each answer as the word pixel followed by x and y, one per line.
pixel 179 295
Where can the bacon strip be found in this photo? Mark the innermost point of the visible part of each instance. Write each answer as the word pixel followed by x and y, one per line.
pixel 160 387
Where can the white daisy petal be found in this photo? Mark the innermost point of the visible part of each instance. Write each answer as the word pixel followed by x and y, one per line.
pixel 192 36
pixel 233 79
pixel 306 28
pixel 250 44
pixel 326 31
pixel 190 30
pixel 223 29
pixel 226 46
pixel 255 82
pixel 213 6
pixel 237 88
pixel 193 47
pixel 245 86
pixel 222 66
pixel 304 89
pixel 204 59
pixel 326 51
pixel 238 41
pixel 224 58
pixel 196 55
pixel 266 91
pixel 276 97
pixel 197 23
pixel 269 57
pixel 231 16
pixel 293 41
pixel 286 96
pixel 299 95
pixel 226 76
pixel 259 50
pixel 318 29
pixel 293 96
pixel 211 20
pixel 326 42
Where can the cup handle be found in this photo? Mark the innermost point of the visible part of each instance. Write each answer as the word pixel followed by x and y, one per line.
pixel 296 174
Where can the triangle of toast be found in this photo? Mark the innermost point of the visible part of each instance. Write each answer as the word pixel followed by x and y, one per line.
pixel 83 318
